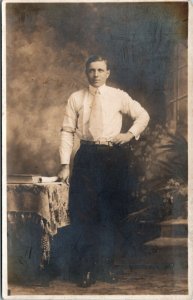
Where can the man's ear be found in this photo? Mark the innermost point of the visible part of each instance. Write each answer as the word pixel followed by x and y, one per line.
pixel 108 73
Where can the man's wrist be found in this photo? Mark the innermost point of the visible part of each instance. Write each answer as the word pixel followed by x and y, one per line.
pixel 130 134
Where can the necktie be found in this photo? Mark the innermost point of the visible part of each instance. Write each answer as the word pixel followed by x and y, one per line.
pixel 96 117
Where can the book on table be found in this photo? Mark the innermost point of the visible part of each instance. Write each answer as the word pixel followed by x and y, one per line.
pixel 30 178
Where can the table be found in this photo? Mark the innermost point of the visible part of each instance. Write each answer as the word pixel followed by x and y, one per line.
pixel 43 205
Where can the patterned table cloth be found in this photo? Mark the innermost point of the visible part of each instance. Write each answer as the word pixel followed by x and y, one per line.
pixel 46 204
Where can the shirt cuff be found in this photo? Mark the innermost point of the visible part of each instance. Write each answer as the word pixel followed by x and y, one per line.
pixel 64 159
pixel 66 145
pixel 133 131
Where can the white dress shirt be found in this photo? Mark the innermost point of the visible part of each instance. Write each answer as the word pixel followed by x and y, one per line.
pixel 115 102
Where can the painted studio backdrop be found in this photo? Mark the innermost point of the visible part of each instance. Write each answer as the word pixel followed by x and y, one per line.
pixel 47 45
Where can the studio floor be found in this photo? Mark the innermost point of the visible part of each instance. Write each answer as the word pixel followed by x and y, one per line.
pixel 132 281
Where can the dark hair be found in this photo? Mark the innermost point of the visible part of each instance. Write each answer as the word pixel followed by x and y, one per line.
pixel 94 58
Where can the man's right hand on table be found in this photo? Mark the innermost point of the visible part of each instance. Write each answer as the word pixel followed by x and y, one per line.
pixel 64 174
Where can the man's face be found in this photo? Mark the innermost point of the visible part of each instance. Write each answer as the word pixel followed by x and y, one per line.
pixel 97 73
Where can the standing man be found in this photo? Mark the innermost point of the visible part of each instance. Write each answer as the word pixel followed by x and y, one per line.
pixel 99 185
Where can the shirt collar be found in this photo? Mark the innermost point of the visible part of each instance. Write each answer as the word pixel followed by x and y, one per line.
pixel 93 89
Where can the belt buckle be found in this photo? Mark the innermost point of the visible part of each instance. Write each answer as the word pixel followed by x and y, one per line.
pixel 107 143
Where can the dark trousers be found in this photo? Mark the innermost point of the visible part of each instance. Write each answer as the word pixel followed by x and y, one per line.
pixel 99 199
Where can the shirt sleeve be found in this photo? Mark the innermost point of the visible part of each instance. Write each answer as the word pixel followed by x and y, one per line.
pixel 67 131
pixel 137 113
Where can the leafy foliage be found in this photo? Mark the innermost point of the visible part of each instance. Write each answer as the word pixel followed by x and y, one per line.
pixel 160 162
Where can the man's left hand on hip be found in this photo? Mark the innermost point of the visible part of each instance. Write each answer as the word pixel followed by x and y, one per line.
pixel 122 138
